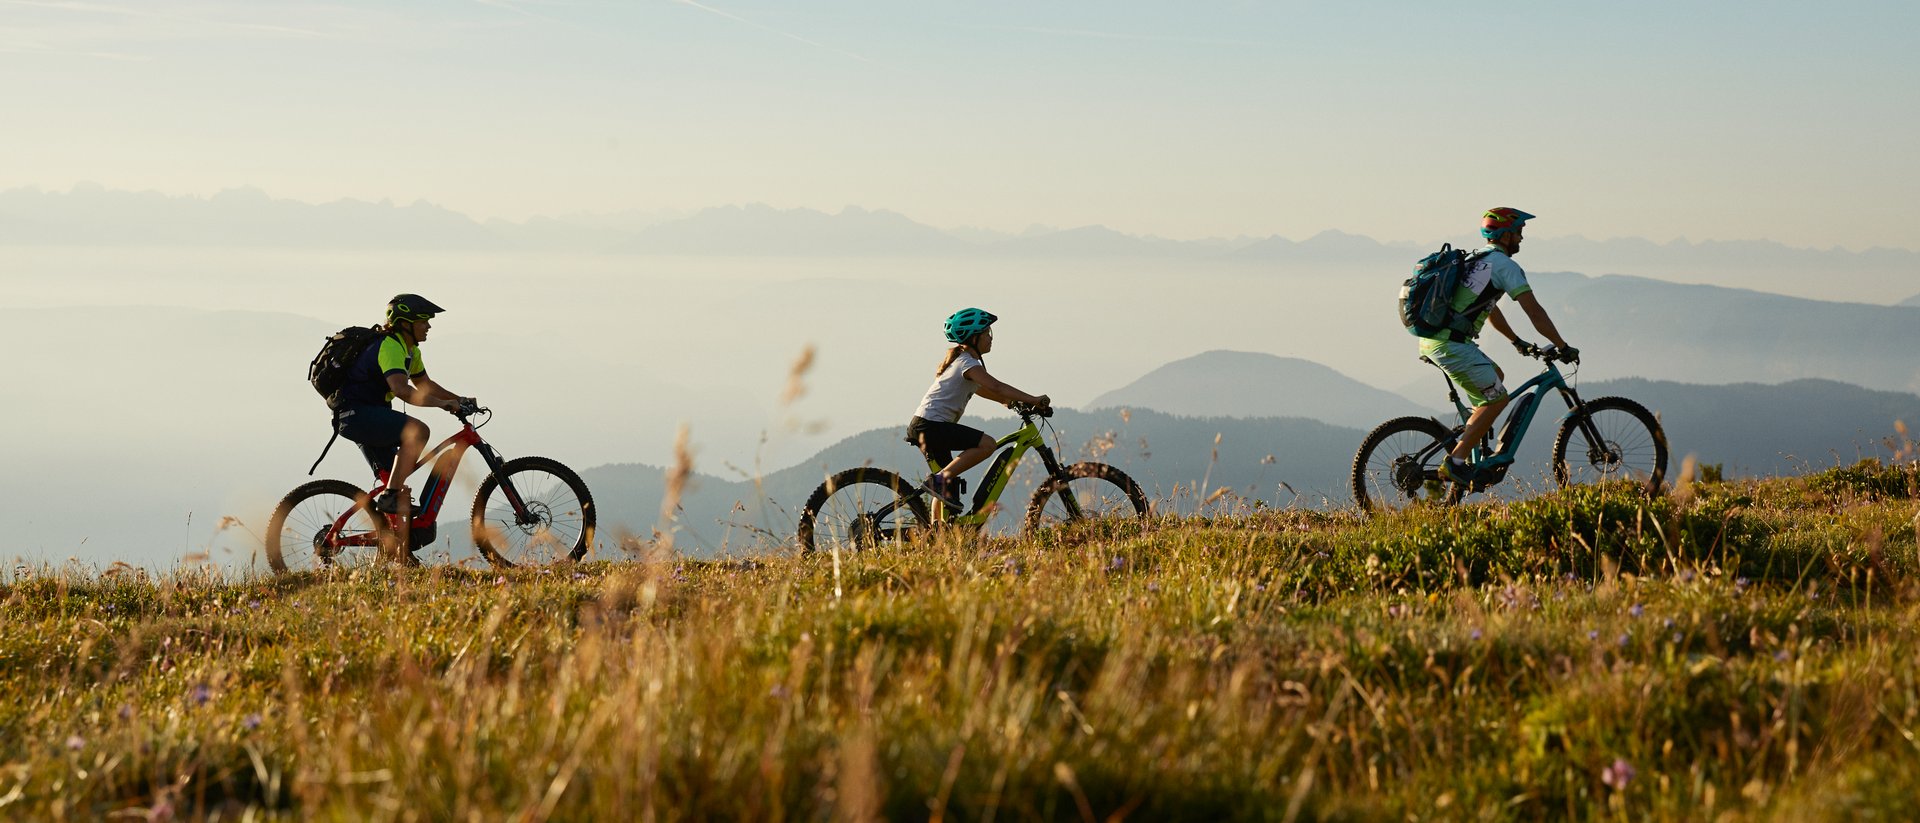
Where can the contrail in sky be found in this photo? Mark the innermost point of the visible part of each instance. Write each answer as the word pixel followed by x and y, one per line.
pixel 738 19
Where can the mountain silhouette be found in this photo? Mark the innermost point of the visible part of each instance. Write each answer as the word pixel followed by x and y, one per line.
pixel 759 229
pixel 1251 384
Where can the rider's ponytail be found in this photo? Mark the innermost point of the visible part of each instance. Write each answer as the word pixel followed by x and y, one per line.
pixel 952 355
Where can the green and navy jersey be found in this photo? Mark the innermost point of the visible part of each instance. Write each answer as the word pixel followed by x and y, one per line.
pixel 367 379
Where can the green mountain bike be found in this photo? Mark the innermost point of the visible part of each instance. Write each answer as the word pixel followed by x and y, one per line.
pixel 1608 438
pixel 866 507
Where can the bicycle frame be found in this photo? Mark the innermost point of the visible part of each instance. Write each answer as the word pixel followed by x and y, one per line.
pixel 1000 472
pixel 445 459
pixel 1524 402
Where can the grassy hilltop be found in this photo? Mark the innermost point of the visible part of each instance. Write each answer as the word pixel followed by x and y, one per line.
pixel 1737 649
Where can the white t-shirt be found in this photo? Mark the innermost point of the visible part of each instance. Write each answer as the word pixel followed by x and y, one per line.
pixel 947 398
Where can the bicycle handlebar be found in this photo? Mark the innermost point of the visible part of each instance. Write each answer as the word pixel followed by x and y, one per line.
pixel 1550 353
pixel 1028 410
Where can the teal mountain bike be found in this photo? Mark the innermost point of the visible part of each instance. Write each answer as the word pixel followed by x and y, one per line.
pixel 1608 438
pixel 866 507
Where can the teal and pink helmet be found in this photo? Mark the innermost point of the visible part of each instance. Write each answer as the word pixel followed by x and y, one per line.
pixel 965 323
pixel 1499 221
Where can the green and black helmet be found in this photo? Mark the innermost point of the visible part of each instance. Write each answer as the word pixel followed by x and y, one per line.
pixel 406 308
pixel 965 323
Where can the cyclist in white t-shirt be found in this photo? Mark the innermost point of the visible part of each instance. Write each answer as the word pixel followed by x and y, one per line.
pixel 936 426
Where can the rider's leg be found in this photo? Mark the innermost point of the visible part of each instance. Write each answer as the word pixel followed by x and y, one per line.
pixel 1478 424
pixel 969 458
pixel 413 441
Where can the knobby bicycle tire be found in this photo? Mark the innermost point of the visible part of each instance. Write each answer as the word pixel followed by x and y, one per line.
pixel 1373 481
pixel 304 519
pixel 1633 445
pixel 868 526
pixel 1123 489
pixel 562 515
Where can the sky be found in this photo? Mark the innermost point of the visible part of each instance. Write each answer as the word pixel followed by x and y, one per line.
pixel 1786 121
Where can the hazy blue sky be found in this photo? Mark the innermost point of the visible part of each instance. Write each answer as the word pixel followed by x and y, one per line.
pixel 1791 121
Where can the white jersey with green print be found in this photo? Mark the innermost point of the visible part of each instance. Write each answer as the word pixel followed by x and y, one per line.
pixel 1492 273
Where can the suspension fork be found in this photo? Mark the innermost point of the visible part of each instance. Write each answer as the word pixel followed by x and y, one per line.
pixel 497 467
pixel 1055 471
pixel 1584 421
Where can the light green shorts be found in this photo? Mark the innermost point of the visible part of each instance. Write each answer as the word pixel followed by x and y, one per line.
pixel 1469 368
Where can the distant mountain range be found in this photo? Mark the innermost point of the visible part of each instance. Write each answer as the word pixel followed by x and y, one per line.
pixel 94 216
pixel 1710 334
pixel 1747 428
pixel 1911 301
pixel 1249 384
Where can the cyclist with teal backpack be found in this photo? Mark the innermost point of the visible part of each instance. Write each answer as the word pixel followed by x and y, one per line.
pixel 1488 274
pixel 936 427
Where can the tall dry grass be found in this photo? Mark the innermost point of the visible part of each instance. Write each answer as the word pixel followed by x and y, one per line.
pixel 1586 655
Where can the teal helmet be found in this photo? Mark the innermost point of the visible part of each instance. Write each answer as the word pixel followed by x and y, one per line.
pixel 965 323
pixel 406 308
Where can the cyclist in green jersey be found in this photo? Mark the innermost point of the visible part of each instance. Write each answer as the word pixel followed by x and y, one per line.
pixel 394 368
pixel 1492 274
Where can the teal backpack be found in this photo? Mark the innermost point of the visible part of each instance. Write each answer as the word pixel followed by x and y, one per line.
pixel 1426 299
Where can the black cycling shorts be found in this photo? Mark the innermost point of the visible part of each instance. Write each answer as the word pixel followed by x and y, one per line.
pixel 376 429
pixel 938 441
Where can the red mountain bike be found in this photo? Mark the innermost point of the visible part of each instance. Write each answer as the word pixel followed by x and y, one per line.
pixel 530 510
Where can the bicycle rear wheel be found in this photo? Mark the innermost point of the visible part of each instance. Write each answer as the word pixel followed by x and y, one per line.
pixel 1398 465
pixel 1631 445
pixel 1092 496
pixel 558 519
pixel 324 524
pixel 860 509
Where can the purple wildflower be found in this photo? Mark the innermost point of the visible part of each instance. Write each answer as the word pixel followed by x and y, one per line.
pixel 1618 775
pixel 1593 634
pixel 201 694
pixel 76 742
pixel 1637 610
pixel 1116 563
pixel 251 721
pixel 1475 634
pixel 1624 639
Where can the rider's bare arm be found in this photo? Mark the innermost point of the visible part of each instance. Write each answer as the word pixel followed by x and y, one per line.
pixel 1538 314
pixel 992 389
pixel 1499 323
pixel 421 391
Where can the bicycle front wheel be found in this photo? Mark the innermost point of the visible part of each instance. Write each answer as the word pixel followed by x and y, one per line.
pixel 324 524
pixel 552 522
pixel 1611 438
pixel 1398 465
pixel 859 509
pixel 1088 495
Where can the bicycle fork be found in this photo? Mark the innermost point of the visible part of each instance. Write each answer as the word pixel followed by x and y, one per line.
pixel 521 515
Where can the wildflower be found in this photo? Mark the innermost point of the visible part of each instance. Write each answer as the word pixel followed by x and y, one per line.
pixel 1618 775
pixel 253 604
pixel 1667 624
pixel 76 742
pixel 500 581
pixel 778 692
pixel 1740 585
pixel 1396 610
pixel 201 694
pixel 1475 634
pixel 1637 610
pixel 579 576
pixel 1116 563
pixel 1153 587
pixel 126 711
pixel 1593 634
pixel 1686 576
pixel 1676 638
pixel 1781 655
pixel 251 721
pixel 1624 638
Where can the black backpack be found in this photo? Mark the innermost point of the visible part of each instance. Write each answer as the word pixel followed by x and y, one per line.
pixel 328 371
pixel 1426 299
